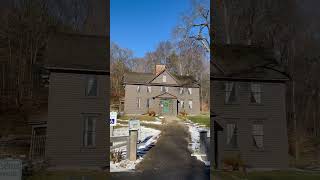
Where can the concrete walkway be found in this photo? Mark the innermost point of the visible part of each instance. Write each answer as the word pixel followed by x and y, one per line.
pixel 170 159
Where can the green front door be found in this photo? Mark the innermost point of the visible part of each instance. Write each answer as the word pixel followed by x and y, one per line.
pixel 166 106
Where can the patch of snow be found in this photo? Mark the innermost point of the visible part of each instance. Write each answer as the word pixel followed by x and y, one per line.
pixel 194 145
pixel 142 148
pixel 124 165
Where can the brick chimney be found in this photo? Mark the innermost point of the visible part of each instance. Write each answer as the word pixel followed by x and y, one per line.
pixel 159 69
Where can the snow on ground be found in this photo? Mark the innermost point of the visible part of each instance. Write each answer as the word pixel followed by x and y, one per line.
pixel 194 146
pixel 148 138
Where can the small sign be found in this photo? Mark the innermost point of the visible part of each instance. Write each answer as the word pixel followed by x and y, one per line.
pixel 10 169
pixel 113 118
pixel 134 124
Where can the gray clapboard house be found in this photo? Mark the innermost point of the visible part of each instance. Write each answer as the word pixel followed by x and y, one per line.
pixel 77 130
pixel 248 107
pixel 161 92
pixel 72 130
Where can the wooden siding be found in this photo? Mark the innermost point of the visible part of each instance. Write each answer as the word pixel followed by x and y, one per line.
pixel 66 106
pixel 271 112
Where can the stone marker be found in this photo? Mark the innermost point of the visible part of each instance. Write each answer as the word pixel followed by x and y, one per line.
pixel 133 137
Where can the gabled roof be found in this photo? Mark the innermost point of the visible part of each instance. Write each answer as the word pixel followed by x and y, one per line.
pixel 77 52
pixel 165 70
pixel 246 62
pixel 147 78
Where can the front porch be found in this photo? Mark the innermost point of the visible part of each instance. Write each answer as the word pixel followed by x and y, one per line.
pixel 166 104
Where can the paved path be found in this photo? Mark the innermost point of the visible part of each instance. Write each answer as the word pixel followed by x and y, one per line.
pixel 170 159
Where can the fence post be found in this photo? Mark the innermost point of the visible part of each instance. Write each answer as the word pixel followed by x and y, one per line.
pixel 132 152
pixel 203 142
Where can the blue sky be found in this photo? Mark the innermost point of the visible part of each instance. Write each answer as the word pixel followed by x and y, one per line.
pixel 140 24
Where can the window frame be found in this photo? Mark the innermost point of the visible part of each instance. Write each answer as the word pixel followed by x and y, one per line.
pixel 251 93
pixel 236 93
pixel 164 78
pixel 229 143
pixel 87 93
pixel 181 90
pixel 138 89
pixel 190 107
pixel 148 103
pixel 182 104
pixel 138 102
pixel 257 134
pixel 86 131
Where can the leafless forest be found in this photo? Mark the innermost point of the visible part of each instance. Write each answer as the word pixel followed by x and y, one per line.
pixel 291 28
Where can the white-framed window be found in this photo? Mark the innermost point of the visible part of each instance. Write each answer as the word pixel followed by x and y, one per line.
pixel 92 86
pixel 255 93
pixel 148 103
pixel 257 135
pixel 166 89
pixel 164 78
pixel 190 90
pixel 232 135
pixel 138 102
pixel 138 89
pixel 182 104
pixel 89 130
pixel 149 89
pixel 181 90
pixel 230 92
pixel 190 104
pixel 162 89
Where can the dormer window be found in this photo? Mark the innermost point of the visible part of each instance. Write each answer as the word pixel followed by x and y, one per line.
pixel 164 78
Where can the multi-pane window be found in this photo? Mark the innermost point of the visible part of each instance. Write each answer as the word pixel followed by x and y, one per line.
pixel 149 89
pixel 190 90
pixel 91 88
pixel 232 135
pixel 138 89
pixel 190 104
pixel 230 92
pixel 138 102
pixel 257 135
pixel 255 93
pixel 182 104
pixel 164 78
pixel 148 103
pixel 181 90
pixel 162 89
pixel 89 134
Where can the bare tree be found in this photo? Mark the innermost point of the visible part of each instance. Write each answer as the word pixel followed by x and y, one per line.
pixel 195 24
